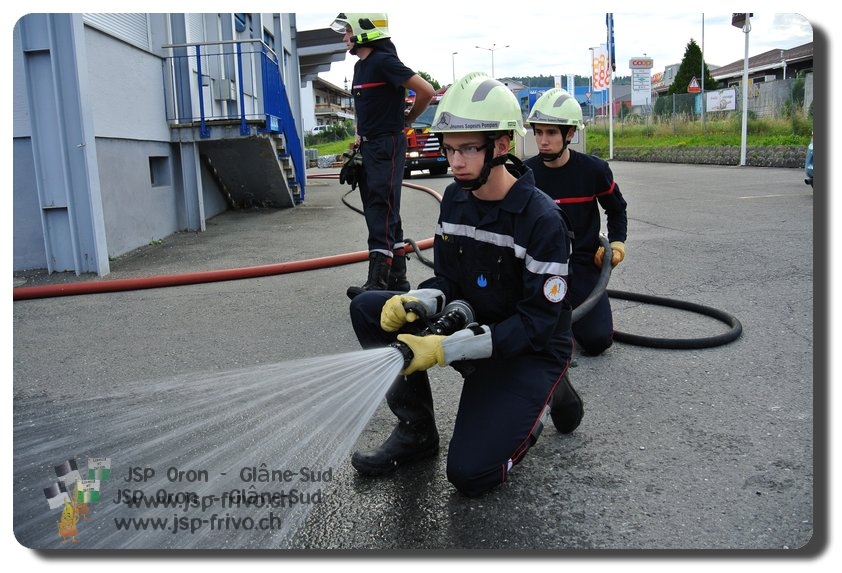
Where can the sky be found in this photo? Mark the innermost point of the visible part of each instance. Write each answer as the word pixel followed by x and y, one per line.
pixel 550 41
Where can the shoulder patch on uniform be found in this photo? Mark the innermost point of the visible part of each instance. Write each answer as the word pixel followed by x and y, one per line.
pixel 555 288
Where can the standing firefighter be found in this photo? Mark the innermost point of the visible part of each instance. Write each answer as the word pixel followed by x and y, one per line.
pixel 502 246
pixel 380 79
pixel 579 184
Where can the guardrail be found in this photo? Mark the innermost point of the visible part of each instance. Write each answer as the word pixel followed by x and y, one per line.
pixel 231 81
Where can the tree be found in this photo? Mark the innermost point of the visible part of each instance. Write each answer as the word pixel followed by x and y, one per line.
pixel 690 67
pixel 430 79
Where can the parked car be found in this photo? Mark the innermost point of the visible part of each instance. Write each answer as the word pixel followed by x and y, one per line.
pixel 808 165
pixel 320 129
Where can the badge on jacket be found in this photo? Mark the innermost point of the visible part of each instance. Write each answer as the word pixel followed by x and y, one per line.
pixel 554 289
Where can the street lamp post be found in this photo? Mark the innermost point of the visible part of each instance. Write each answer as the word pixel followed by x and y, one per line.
pixel 453 61
pixel 743 20
pixel 492 49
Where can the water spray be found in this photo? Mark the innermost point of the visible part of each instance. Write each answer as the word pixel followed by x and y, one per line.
pixel 456 315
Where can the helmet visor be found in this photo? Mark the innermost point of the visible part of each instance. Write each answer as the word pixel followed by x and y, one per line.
pixel 339 26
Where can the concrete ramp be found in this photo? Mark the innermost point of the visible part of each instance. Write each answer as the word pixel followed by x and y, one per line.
pixel 250 171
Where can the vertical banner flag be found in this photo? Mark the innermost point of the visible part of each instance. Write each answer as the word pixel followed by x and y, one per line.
pixel 557 81
pixel 609 23
pixel 601 71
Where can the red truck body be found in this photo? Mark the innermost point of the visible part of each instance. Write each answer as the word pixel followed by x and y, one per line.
pixel 423 149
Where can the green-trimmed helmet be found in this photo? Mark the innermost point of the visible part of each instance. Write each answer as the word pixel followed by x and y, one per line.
pixel 364 27
pixel 478 102
pixel 556 107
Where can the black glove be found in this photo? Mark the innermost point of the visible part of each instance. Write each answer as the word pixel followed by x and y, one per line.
pixel 351 171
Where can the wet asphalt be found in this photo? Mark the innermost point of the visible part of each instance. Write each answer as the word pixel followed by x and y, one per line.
pixel 692 451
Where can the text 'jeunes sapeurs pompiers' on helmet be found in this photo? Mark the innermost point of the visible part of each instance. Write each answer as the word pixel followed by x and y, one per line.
pixel 556 107
pixel 477 102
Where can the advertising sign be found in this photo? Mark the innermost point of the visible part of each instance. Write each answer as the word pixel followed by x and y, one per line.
pixel 722 100
pixel 601 71
pixel 641 92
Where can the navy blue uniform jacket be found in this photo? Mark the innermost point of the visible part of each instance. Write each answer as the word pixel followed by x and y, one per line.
pixel 378 93
pixel 510 264
pixel 580 187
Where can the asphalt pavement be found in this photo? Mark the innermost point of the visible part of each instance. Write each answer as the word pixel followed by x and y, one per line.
pixel 693 450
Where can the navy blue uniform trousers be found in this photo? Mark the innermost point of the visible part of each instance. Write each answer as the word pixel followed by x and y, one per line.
pixel 594 332
pixel 499 408
pixel 380 189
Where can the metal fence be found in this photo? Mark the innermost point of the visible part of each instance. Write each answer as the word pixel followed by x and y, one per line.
pixel 788 99
pixel 235 81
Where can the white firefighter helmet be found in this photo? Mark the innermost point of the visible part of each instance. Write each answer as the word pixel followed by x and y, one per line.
pixel 556 107
pixel 477 102
pixel 364 27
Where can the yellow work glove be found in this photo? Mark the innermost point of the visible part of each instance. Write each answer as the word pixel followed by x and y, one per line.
pixel 471 343
pixel 426 352
pixel 393 314
pixel 618 253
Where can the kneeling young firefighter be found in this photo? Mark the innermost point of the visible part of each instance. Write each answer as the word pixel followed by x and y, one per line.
pixel 502 247
pixel 580 184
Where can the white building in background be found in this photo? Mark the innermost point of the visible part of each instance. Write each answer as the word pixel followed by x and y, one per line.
pixel 323 103
pixel 130 127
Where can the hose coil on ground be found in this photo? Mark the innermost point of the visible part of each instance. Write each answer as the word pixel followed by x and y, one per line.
pixel 735 327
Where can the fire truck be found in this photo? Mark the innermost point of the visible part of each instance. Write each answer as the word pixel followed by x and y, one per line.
pixel 423 149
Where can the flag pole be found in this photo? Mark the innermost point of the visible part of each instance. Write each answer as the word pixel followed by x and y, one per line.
pixel 610 21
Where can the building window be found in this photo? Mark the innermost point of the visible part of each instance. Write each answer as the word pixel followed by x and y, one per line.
pixel 240 22
pixel 159 171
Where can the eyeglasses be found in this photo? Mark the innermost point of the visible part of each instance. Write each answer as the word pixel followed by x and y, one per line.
pixel 467 152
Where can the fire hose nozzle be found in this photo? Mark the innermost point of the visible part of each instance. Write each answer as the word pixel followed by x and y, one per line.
pixel 405 351
pixel 456 315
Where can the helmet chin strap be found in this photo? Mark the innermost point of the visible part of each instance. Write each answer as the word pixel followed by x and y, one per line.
pixel 550 157
pixel 490 161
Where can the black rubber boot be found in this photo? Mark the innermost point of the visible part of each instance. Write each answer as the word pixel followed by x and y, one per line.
pixel 408 443
pixel 378 275
pixel 566 409
pixel 414 438
pixel 397 274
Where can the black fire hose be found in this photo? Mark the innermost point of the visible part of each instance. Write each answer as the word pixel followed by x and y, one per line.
pixel 736 328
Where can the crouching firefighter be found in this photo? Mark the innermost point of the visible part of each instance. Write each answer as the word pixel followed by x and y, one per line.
pixel 502 247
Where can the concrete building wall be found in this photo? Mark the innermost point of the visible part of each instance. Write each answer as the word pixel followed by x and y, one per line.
pixel 136 212
pixel 28 251
pixel 147 180
pixel 127 97
pixel 308 107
